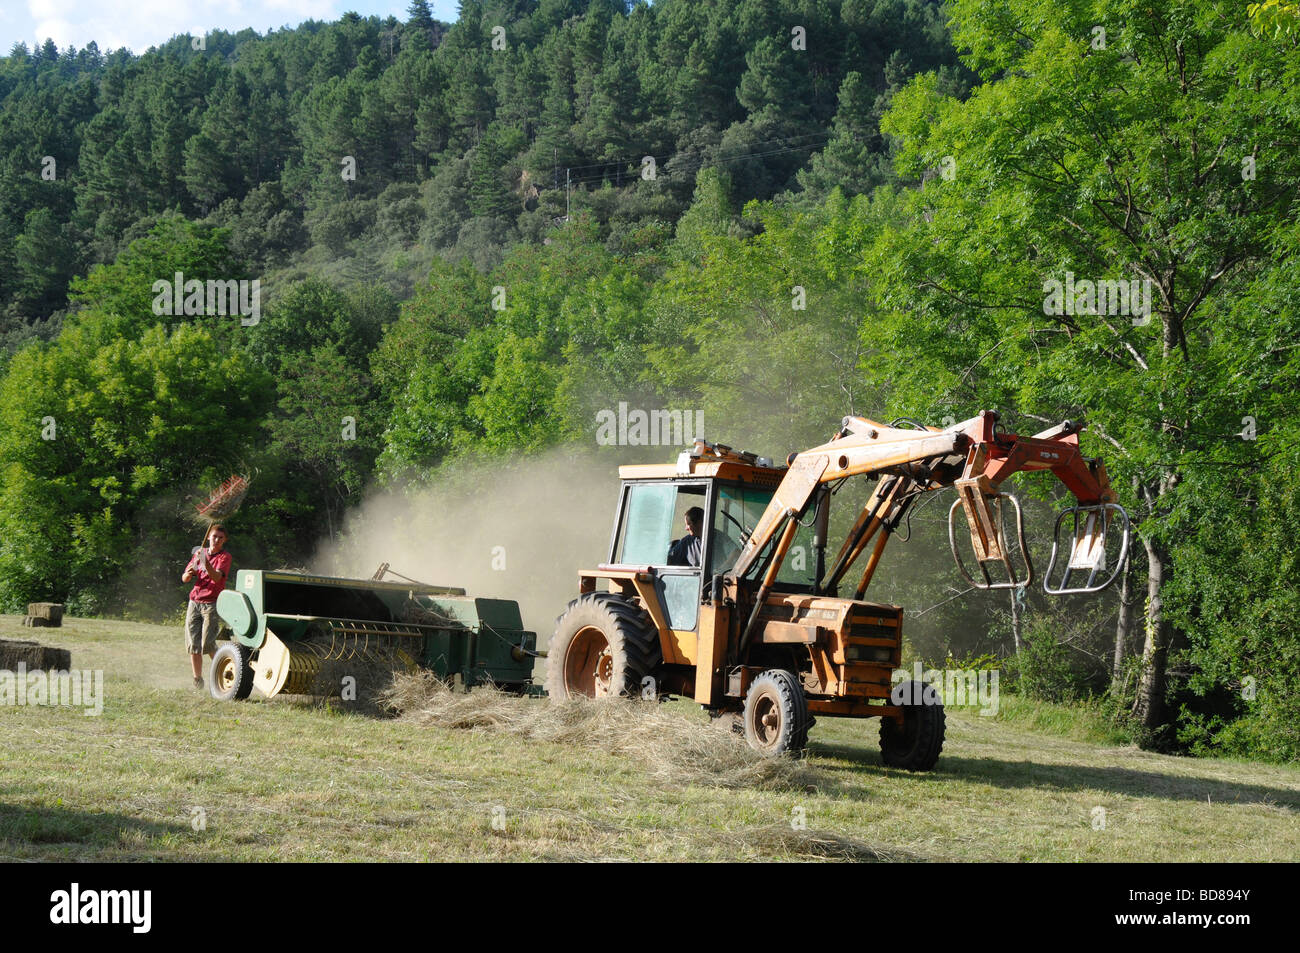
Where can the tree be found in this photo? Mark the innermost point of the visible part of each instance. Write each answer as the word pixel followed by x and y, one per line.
pixel 1279 16
pixel 46 260
pixel 491 172
pixel 98 432
pixel 326 431
pixel 466 53
pixel 1078 160
pixel 775 79
pixel 743 320
pixel 313 314
pixel 419 16
pixel 429 361
pixel 853 159
pixel 126 287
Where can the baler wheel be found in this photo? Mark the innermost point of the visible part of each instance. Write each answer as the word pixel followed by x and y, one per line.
pixel 776 714
pixel 232 672
pixel 916 745
pixel 603 646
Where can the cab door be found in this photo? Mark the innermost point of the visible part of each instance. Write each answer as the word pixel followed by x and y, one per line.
pixel 652 517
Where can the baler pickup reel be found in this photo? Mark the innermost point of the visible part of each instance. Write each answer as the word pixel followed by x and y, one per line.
pixel 1092 528
pixel 985 514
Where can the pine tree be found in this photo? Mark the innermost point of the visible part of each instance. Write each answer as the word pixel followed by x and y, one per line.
pixel 852 159
pixel 421 28
pixel 419 16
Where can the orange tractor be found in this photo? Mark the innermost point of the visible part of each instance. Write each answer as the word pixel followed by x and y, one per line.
pixel 744 612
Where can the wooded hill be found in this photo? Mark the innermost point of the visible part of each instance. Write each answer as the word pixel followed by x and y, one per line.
pixel 462 140
pixel 845 215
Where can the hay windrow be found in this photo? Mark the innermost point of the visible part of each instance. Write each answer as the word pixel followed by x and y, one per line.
pixel 667 745
pixel 781 840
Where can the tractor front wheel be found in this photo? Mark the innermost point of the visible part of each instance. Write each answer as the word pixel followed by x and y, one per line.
pixel 914 746
pixel 604 645
pixel 776 714
pixel 232 672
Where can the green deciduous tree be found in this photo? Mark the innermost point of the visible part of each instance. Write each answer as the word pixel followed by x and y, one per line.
pixel 1127 158
pixel 99 432
pixel 126 287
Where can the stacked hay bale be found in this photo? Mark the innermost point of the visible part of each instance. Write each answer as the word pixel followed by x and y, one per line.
pixel 44 614
pixel 33 657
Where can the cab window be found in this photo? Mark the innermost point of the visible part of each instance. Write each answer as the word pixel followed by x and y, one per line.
pixel 744 506
pixel 739 510
pixel 654 518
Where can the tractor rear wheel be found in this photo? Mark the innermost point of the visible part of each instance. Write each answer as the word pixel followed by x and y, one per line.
pixel 232 672
pixel 916 745
pixel 776 714
pixel 604 645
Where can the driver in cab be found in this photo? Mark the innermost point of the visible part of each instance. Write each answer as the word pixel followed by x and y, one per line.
pixel 688 550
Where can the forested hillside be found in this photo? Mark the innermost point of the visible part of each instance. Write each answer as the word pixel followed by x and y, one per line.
pixel 472 239
pixel 353 142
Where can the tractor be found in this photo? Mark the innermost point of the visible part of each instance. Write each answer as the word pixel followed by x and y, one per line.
pixel 766 643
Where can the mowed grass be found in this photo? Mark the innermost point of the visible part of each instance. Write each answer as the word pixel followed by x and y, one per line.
pixel 291 780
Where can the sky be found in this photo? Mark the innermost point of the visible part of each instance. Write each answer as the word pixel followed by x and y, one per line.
pixel 140 24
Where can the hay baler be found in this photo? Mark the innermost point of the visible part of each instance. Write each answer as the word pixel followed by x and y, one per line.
pixel 301 634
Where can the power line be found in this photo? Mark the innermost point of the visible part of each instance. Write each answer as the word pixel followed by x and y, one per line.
pixel 633 160
pixel 702 160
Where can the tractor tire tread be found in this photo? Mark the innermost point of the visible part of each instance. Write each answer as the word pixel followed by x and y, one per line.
pixel 926 746
pixel 635 634
pixel 794 707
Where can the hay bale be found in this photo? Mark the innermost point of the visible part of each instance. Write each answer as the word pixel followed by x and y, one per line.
pixel 34 656
pixel 44 614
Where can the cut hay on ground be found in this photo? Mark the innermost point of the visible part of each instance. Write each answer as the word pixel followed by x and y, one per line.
pixel 782 840
pixel 667 744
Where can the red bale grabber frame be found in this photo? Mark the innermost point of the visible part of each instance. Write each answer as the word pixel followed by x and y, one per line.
pixel 992 457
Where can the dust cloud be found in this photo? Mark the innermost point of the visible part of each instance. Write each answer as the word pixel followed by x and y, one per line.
pixel 516 529
pixel 521 527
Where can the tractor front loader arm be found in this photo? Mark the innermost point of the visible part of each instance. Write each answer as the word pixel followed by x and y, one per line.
pixel 973 456
pixel 862 447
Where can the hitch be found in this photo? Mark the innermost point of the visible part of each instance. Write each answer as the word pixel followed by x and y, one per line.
pixel 984 519
pixel 1090 531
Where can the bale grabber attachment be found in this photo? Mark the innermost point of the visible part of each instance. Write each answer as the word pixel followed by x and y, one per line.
pixel 1099 528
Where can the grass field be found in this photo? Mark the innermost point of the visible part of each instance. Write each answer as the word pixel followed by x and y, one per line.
pixel 292 780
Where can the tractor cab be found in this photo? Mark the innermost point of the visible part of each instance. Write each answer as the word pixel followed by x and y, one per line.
pixel 727 491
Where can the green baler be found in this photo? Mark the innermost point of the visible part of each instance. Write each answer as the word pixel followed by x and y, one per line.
pixel 296 633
